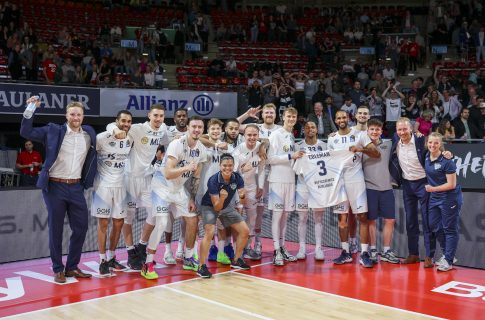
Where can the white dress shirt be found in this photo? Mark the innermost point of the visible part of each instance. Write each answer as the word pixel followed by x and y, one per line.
pixel 408 160
pixel 72 154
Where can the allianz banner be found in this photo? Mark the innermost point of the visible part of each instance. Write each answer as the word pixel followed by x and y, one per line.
pixel 54 98
pixel 470 164
pixel 208 105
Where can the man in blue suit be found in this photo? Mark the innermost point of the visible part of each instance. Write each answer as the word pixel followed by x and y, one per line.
pixel 69 168
pixel 407 169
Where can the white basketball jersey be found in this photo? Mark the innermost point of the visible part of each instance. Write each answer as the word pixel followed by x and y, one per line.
pixel 281 145
pixel 266 133
pixel 112 157
pixel 322 174
pixel 249 165
pixel 303 146
pixel 173 133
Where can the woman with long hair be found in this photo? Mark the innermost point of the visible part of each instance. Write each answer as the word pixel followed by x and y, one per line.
pixel 446 129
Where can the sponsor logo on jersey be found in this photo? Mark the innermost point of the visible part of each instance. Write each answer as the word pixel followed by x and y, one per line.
pixel 302 206
pixel 103 211
pixel 108 163
pixel 233 186
pixel 144 140
pixel 437 166
pixel 112 144
pixel 162 209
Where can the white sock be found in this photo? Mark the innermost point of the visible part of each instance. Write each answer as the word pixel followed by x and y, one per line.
pixel 373 247
pixel 189 253
pixel 364 247
pixel 143 242
pixel 387 249
pixel 102 256
pixel 180 246
pixel 212 242
pixel 302 226
pixel 110 255
pixel 221 244
pixel 345 246
pixel 130 247
pixel 149 257
pixel 275 228
pixel 318 234
pixel 352 240
pixel 227 241
pixel 283 224
pixel 168 248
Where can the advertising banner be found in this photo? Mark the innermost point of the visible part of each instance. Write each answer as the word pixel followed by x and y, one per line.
pixel 208 105
pixel 470 164
pixel 54 98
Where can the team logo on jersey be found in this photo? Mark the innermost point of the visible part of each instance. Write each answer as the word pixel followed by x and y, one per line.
pixel 108 163
pixel 437 166
pixel 233 186
pixel 144 140
pixel 286 148
pixel 352 138
pixel 112 144
pixel 128 143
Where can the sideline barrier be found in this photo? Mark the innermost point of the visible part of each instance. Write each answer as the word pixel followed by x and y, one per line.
pixel 24 233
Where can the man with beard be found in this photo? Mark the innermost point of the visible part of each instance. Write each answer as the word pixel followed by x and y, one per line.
pixel 182 161
pixel 180 128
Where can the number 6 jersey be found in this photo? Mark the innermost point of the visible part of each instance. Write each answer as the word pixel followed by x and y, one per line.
pixel 322 174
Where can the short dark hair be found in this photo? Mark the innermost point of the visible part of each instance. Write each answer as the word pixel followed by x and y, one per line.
pixel 182 110
pixel 375 122
pixel 251 125
pixel 226 156
pixel 118 115
pixel 157 106
pixel 195 118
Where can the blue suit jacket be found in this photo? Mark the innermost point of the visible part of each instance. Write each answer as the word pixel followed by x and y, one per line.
pixel 51 136
pixel 395 167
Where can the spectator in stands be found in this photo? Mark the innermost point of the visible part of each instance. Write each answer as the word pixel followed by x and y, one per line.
pixel 320 95
pixel 394 106
pixel 253 78
pixel 411 108
pixel 285 98
pixel 31 60
pixel 465 129
pixel 105 69
pixel 480 44
pixel 357 95
pixel 105 51
pixel 254 29
pixel 221 33
pixel 403 57
pixel 329 51
pixel 481 120
pixel 272 29
pixel 231 67
pixel 158 70
pixel 93 75
pixel 350 108
pixel 321 119
pixel 282 29
pixel 475 109
pixel 29 163
pixel 423 123
pixel 388 73
pixel 270 93
pixel 104 34
pixel 413 54
pixel 262 29
pixel 378 82
pixel 115 34
pixel 374 101
pixel 68 72
pixel 15 63
pixel 131 63
pixel 441 81
pixel 49 69
pixel 80 75
pixel 255 95
pixel 292 28
pixel 446 129
pixel 299 79
pixel 149 76
pixel 217 67
pixel 451 105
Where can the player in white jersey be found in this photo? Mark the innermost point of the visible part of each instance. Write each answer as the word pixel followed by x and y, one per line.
pixel 310 145
pixel 146 138
pixel 268 115
pixel 358 142
pixel 251 167
pixel 110 192
pixel 183 161
pixel 362 116
pixel 380 194
pixel 174 132
pixel 281 200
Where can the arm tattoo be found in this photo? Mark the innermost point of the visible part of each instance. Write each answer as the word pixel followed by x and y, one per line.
pixel 194 186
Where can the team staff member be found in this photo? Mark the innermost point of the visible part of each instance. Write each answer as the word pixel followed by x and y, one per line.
pixel 69 168
pixel 29 162
pixel 218 203
pixel 445 200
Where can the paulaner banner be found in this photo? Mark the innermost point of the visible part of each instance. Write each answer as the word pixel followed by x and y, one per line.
pixel 470 164
pixel 208 105
pixel 54 98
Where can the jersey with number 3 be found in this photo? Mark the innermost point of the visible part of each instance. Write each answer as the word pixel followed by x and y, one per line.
pixel 308 148
pixel 322 174
pixel 356 138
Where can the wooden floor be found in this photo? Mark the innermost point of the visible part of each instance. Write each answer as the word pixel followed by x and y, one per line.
pixel 228 296
pixel 300 290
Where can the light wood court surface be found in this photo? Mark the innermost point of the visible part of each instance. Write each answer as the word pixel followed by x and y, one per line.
pixel 229 295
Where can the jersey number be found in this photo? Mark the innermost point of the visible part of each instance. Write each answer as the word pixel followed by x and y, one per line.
pixel 323 170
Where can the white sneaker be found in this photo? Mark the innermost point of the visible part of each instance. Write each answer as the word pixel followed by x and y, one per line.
pixel 168 258
pixel 278 258
pixel 258 248
pixel 442 259
pixel 445 266
pixel 301 255
pixel 319 255
pixel 180 255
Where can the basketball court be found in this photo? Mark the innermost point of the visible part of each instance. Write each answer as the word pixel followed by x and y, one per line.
pixel 301 290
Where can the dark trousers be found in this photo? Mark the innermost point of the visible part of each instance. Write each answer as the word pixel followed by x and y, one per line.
pixel 444 221
pixel 62 198
pixel 414 193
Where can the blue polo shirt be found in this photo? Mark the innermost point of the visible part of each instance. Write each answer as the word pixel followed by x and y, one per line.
pixel 436 172
pixel 216 183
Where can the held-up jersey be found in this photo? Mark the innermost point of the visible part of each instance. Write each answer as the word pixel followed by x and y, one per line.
pixel 254 178
pixel 112 157
pixel 266 133
pixel 303 146
pixel 322 173
pixel 281 144
pixel 179 150
pixel 145 143
pixel 356 138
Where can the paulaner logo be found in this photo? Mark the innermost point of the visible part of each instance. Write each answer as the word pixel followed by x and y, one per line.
pixel 203 105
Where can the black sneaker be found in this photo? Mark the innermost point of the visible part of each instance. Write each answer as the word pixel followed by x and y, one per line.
pixel 203 272
pixel 134 260
pixel 116 265
pixel 104 269
pixel 239 264
pixel 141 249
